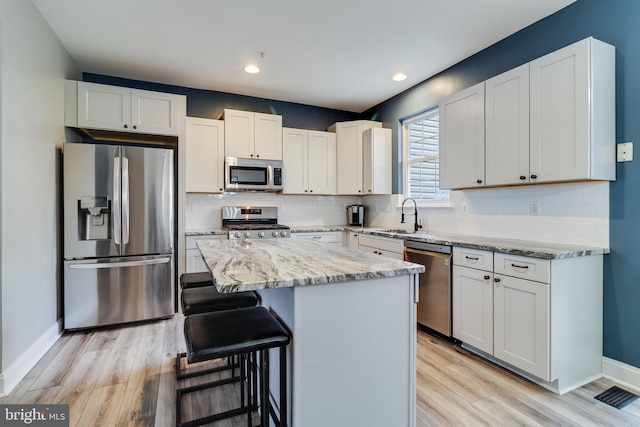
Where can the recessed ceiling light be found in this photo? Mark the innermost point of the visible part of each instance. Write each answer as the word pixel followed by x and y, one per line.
pixel 252 69
pixel 399 77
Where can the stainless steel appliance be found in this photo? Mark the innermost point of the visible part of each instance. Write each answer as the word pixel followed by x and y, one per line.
pixel 434 306
pixel 119 221
pixel 252 175
pixel 247 222
pixel 355 215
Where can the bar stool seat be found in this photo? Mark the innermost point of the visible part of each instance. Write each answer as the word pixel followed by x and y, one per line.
pixel 207 298
pixel 240 332
pixel 196 280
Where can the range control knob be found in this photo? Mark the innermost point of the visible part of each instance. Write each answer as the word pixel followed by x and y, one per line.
pixel 283 233
pixel 261 234
pixel 247 234
pixel 236 234
pixel 274 233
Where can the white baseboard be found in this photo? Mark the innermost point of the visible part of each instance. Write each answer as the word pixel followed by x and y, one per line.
pixel 621 373
pixel 11 376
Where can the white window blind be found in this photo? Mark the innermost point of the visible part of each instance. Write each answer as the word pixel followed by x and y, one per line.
pixel 421 157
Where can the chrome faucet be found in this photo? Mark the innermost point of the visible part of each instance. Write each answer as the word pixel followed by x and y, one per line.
pixel 416 226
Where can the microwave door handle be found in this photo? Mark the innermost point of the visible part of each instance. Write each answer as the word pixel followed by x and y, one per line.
pixel 117 220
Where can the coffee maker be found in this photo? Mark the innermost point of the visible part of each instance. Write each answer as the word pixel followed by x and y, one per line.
pixel 355 215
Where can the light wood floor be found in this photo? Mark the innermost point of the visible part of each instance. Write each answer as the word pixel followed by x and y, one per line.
pixel 125 377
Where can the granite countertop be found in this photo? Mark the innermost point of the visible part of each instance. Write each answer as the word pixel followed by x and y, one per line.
pixel 244 265
pixel 508 246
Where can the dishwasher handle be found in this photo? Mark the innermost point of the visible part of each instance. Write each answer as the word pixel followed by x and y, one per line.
pixel 408 252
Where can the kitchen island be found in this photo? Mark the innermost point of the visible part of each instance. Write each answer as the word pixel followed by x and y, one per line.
pixel 352 318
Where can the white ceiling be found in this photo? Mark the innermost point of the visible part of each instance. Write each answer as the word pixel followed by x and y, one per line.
pixel 330 53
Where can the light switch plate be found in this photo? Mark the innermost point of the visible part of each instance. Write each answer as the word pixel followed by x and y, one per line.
pixel 625 152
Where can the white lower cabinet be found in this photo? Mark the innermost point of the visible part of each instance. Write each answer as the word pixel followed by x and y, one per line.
pixel 195 263
pixel 385 246
pixel 539 317
pixel 351 240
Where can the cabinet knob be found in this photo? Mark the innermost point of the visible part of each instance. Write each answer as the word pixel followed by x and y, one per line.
pixel 126 126
pixel 534 176
pixel 135 127
pixel 497 279
pixel 257 156
pixel 487 277
pixel 221 189
pixel 522 177
pixel 305 191
pixel 479 181
pixel 359 191
pixel 251 155
pixel 310 191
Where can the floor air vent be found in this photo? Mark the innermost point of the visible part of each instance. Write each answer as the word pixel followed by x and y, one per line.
pixel 616 397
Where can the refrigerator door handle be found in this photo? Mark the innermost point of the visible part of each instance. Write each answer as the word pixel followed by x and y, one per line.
pixel 94 265
pixel 117 220
pixel 125 200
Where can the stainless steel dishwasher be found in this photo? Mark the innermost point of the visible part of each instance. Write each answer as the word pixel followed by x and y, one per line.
pixel 434 306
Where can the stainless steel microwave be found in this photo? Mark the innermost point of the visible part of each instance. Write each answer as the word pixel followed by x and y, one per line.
pixel 252 174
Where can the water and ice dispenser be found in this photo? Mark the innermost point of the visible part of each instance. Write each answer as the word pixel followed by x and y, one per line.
pixel 94 218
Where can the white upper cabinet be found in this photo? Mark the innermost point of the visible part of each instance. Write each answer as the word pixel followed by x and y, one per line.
pixel 462 139
pixel 376 164
pixel 551 120
pixel 507 127
pixel 121 109
pixel 350 155
pixel 573 113
pixel 251 135
pixel 309 159
pixel 204 155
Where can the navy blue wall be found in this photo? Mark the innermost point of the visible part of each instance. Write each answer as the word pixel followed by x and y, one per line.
pixel 616 22
pixel 210 104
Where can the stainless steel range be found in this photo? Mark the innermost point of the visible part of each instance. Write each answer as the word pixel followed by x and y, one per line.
pixel 247 222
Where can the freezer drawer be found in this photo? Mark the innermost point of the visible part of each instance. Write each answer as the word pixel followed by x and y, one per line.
pixel 102 292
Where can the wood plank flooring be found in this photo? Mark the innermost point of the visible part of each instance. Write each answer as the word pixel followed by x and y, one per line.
pixel 125 377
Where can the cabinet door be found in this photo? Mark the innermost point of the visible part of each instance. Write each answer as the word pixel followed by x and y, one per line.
pixel 268 136
pixel 560 114
pixel 104 107
pixel 195 262
pixel 154 112
pixel 462 139
pixel 321 164
pixel 239 134
pixel 352 240
pixel 521 336
pixel 472 302
pixel 507 127
pixel 376 164
pixel 349 158
pixel 294 156
pixel 204 155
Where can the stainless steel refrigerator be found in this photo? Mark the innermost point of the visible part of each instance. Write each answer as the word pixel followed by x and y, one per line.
pixel 119 222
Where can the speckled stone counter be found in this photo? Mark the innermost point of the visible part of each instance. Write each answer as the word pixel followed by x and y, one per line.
pixel 242 265
pixel 507 246
pixel 206 232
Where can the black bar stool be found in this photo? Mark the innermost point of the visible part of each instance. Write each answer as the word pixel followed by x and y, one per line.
pixel 196 280
pixel 239 332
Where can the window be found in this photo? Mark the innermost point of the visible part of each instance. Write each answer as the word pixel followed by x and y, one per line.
pixel 421 157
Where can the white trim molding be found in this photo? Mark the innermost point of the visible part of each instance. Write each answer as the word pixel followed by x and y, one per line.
pixel 621 373
pixel 11 376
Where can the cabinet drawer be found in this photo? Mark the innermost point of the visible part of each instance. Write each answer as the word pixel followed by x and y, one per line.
pixel 384 243
pixel 473 258
pixel 322 236
pixel 524 267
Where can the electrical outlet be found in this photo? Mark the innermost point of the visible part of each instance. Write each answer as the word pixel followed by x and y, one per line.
pixel 534 208
pixel 625 152
pixel 464 207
